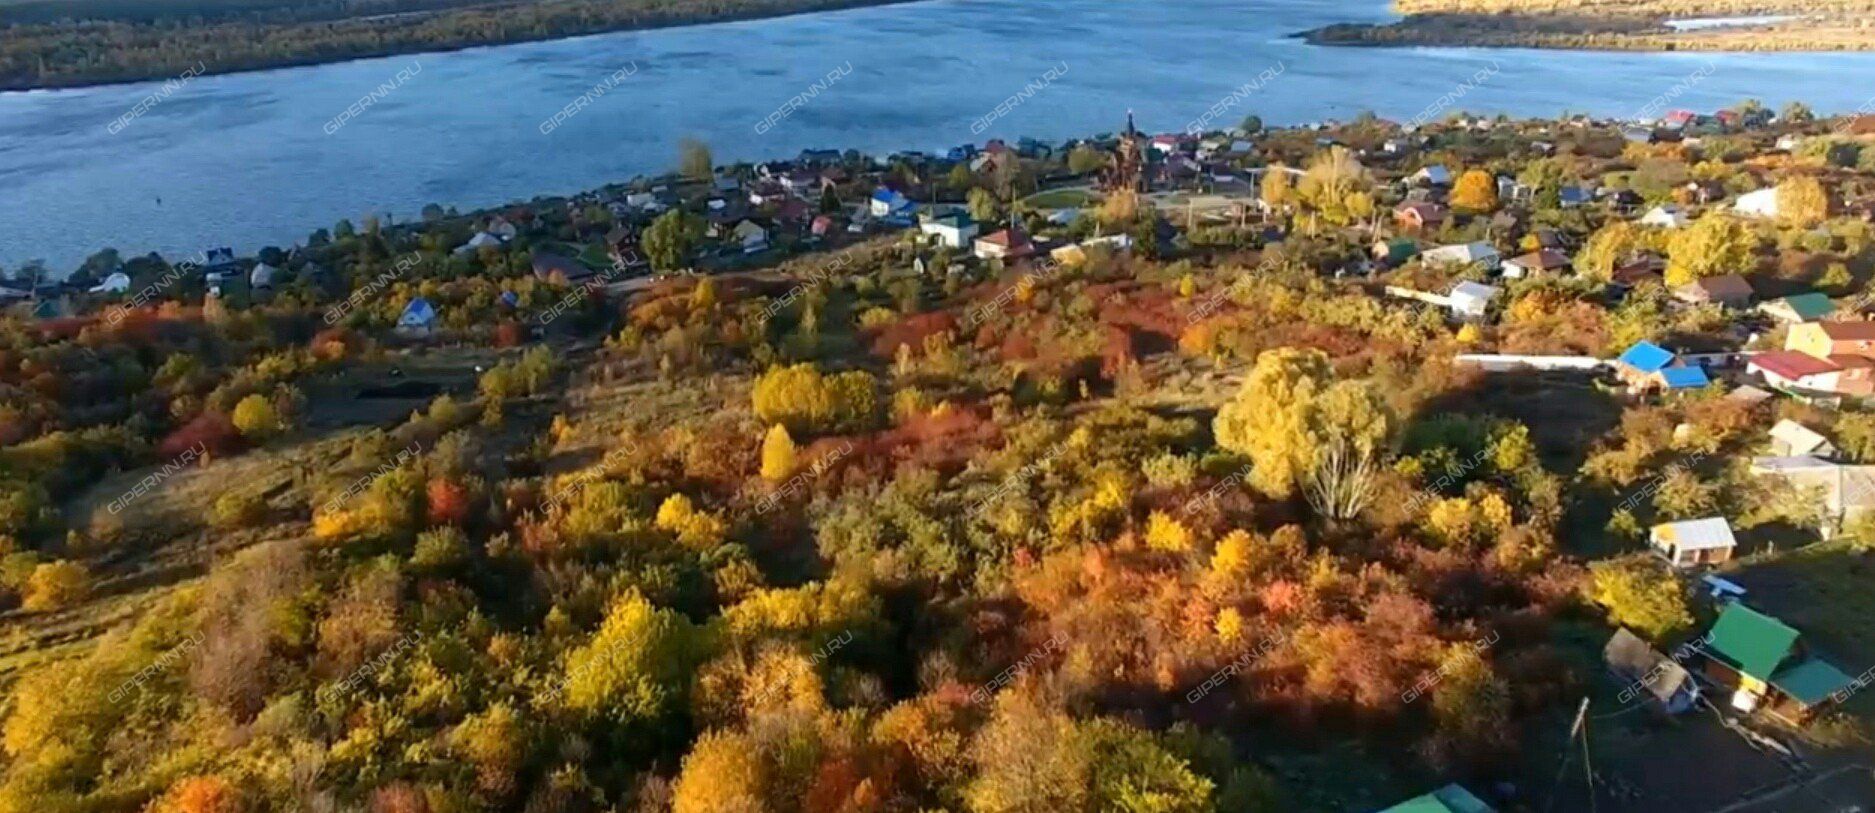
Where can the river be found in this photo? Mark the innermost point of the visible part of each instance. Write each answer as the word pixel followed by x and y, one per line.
pixel 263 158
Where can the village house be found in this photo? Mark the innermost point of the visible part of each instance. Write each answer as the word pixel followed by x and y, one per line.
pixel 1007 244
pixel 1435 175
pixel 1535 264
pixel 1794 371
pixel 1419 216
pixel 560 270
pixel 749 235
pixel 1831 339
pixel 1766 665
pixel 1647 366
pixel 1693 542
pixel 1483 254
pixel 1725 290
pixel 621 246
pixel 890 203
pixel 954 230
pixel 1470 300
pixel 1790 439
pixel 1643 671
pixel 1394 253
pixel 1810 307
pixel 1843 493
pixel 418 318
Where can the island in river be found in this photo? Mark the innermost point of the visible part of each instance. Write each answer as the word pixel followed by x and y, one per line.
pixel 1645 25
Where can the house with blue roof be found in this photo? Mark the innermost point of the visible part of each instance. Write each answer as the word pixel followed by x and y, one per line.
pixel 890 203
pixel 418 318
pixel 1647 366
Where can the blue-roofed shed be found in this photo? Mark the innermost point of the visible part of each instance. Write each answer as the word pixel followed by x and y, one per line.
pixel 1679 378
pixel 1646 357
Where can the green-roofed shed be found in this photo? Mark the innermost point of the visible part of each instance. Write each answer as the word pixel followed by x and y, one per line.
pixel 1766 663
pixel 1449 799
pixel 1750 641
pixel 1810 307
pixel 1811 682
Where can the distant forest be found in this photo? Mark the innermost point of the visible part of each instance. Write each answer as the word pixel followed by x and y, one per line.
pixel 86 42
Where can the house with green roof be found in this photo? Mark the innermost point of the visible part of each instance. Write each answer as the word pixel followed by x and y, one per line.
pixel 1449 799
pixel 1766 664
pixel 1810 307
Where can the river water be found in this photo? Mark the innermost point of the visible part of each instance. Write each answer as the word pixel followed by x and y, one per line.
pixel 255 159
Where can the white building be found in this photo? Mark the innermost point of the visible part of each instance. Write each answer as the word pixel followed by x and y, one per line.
pixel 1693 542
pixel 1762 203
pixel 1666 217
pixel 1470 299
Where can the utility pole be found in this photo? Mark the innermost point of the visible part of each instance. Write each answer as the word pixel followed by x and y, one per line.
pixel 1575 728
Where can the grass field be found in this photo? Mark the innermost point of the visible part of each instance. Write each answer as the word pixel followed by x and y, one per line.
pixel 1062 199
pixel 1822 590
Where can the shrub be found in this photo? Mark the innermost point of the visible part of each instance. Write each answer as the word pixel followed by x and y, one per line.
pixel 237 509
pixel 56 584
pixel 804 400
pixel 256 419
pixel 440 549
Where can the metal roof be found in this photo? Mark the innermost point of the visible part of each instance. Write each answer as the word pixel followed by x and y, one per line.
pixel 1697 534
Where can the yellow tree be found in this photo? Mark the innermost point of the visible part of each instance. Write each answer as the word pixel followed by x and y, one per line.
pixel 1347 429
pixel 1475 192
pixel 1268 418
pixel 724 773
pixel 1715 244
pixel 1802 201
pixel 1332 178
pixel 778 454
pixel 1277 188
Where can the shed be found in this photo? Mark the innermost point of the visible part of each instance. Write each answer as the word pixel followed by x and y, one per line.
pixel 1693 542
pixel 1470 299
pixel 1645 673
pixel 1810 307
pixel 1790 438
pixel 1767 664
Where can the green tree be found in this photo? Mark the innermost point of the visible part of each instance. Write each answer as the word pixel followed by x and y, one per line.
pixel 1086 158
pixel 984 206
pixel 669 239
pixel 960 178
pixel 1134 774
pixel 1640 594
